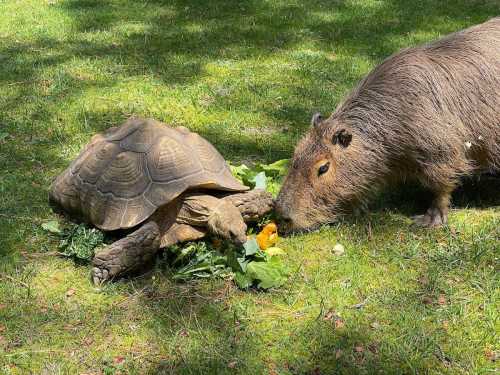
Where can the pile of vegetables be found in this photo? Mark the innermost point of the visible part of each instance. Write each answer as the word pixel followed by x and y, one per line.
pixel 258 263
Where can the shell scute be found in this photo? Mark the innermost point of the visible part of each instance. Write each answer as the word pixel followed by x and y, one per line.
pixel 125 176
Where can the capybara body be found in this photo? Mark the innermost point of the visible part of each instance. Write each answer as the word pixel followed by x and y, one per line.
pixel 429 113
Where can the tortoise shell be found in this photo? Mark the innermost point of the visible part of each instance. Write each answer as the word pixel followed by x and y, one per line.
pixel 125 174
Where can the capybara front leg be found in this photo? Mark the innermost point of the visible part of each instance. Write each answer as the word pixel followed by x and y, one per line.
pixel 437 214
pixel 127 254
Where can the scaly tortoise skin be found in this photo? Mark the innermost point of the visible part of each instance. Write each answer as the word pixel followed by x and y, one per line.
pixel 168 184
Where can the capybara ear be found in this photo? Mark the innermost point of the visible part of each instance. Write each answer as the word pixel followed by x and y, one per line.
pixel 343 137
pixel 316 119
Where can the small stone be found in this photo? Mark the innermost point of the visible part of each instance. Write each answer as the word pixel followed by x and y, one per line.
pixel 375 325
pixel 339 249
pixel 118 360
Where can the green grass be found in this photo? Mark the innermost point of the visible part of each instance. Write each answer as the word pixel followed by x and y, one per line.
pixel 247 75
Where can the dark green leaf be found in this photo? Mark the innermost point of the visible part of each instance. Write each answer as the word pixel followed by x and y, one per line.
pixel 243 263
pixel 80 242
pixel 242 280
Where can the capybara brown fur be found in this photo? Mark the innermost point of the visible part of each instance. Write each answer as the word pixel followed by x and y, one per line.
pixel 429 113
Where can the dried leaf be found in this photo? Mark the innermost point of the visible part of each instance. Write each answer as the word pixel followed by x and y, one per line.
pixel 118 360
pixel 442 299
pixel 232 364
pixel 490 354
pixel 338 353
pixel 339 323
pixel 70 292
pixel 359 349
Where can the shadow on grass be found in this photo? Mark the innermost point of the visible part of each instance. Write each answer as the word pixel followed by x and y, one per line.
pixel 411 199
pixel 179 328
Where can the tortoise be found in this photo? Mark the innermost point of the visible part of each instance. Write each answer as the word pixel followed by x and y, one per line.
pixel 163 185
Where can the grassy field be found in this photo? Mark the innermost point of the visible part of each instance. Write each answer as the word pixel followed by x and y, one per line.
pixel 247 75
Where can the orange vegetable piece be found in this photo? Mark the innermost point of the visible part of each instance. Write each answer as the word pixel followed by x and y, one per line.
pixel 268 236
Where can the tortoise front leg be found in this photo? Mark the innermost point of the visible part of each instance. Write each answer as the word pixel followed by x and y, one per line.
pixel 127 254
pixel 252 204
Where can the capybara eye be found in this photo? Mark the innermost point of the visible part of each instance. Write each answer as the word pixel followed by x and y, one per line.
pixel 323 169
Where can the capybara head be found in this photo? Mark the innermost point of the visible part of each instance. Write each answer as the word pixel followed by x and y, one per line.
pixel 329 171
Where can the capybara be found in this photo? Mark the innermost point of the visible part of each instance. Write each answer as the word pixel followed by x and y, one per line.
pixel 429 113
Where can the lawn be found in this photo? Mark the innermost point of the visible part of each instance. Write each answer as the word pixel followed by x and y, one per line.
pixel 247 75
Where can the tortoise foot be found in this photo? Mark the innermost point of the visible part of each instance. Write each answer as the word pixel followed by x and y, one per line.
pixel 99 275
pixel 127 254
